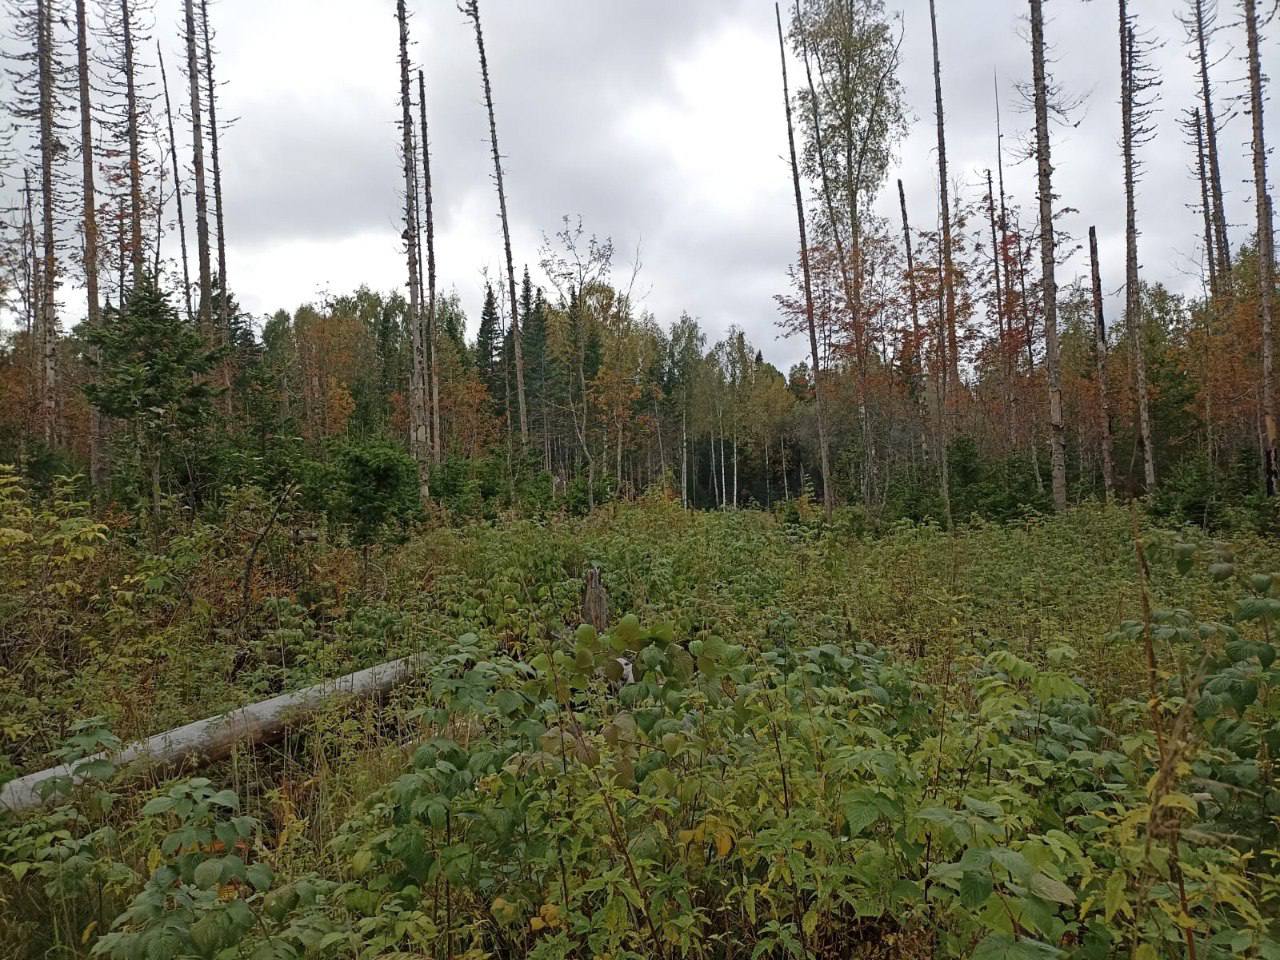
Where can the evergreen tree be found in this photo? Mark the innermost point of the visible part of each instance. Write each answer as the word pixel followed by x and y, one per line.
pixel 152 375
pixel 489 350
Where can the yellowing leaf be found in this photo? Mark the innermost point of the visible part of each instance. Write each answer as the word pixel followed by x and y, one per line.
pixel 724 842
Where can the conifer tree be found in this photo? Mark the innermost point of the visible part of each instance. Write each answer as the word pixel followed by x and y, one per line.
pixel 152 376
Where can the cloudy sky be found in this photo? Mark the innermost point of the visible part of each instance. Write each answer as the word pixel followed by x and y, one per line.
pixel 660 123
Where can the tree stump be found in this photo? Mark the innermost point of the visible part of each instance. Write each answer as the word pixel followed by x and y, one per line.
pixel 595 602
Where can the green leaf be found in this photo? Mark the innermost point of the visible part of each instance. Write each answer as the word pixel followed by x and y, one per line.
pixel 860 815
pixel 208 874
pixel 259 874
pixel 1049 888
pixel 157 805
pixel 1014 862
pixel 975 888
pixel 227 799
pixel 100 769
pixel 983 808
pixel 1000 946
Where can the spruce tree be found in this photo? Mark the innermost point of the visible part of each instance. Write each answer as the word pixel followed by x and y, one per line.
pixel 489 350
pixel 152 376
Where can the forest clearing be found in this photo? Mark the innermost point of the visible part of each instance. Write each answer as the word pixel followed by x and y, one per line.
pixel 511 602
pixel 835 744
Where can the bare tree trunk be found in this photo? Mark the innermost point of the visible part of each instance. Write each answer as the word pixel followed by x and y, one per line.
pixel 136 256
pixel 1133 288
pixel 419 381
pixel 1048 262
pixel 948 279
pixel 49 272
pixel 90 224
pixel 1100 354
pixel 1006 353
pixel 472 9
pixel 177 186
pixel 205 305
pixel 34 300
pixel 942 431
pixel 917 369
pixel 913 355
pixel 211 90
pixel 1221 243
pixel 432 367
pixel 1266 251
pixel 1033 432
pixel 828 492
pixel 1206 205
pixel 684 459
pixel 416 446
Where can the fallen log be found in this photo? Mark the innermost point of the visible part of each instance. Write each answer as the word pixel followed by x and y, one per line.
pixel 215 737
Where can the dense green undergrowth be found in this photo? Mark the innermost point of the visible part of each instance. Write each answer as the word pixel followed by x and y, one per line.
pixel 913 744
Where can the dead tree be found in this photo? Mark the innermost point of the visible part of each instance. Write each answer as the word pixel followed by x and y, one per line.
pixel 416 440
pixel 1048 256
pixel 1006 357
pixel 1266 246
pixel 131 126
pixel 1136 80
pixel 828 493
pixel 912 358
pixel 948 277
pixel 205 305
pixel 50 147
pixel 432 367
pixel 211 92
pixel 471 9
pixel 943 455
pixel 418 385
pixel 177 185
pixel 90 220
pixel 1199 24
pixel 1100 356
pixel 1194 125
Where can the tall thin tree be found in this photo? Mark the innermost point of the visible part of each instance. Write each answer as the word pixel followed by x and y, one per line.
pixel 828 493
pixel 1100 358
pixel 1048 256
pixel 1135 82
pixel 1004 341
pixel 177 185
pixel 1196 127
pixel 1199 24
pixel 46 70
pixel 471 9
pixel 89 220
pixel 944 199
pixel 136 252
pixel 433 371
pixel 1266 246
pixel 205 305
pixel 211 94
pixel 416 440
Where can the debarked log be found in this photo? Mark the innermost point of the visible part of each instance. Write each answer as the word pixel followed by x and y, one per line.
pixel 214 738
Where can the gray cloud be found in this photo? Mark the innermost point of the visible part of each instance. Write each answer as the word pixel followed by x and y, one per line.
pixel 658 121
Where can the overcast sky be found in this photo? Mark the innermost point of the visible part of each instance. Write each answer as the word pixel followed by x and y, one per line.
pixel 659 122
